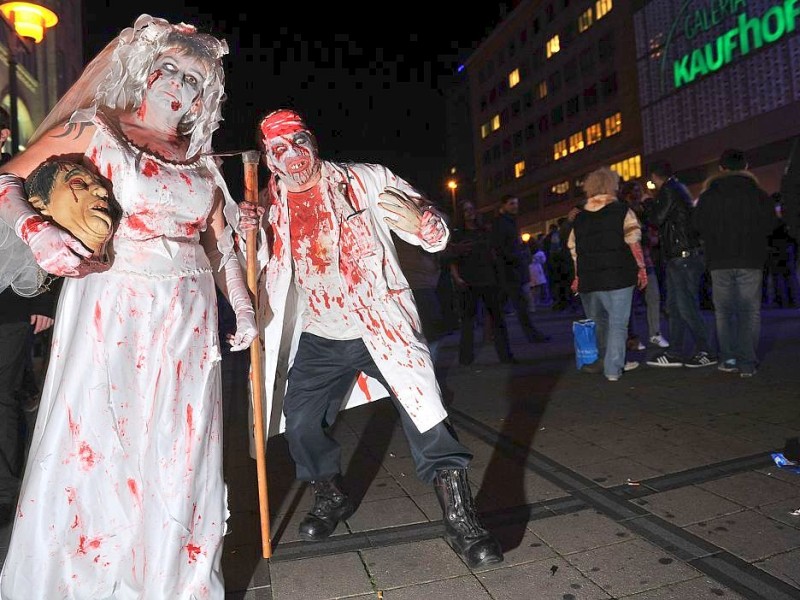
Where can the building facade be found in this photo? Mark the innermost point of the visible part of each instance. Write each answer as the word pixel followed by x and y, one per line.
pixel 554 96
pixel 46 71
pixel 715 74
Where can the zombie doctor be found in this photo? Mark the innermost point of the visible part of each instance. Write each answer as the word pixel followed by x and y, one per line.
pixel 340 319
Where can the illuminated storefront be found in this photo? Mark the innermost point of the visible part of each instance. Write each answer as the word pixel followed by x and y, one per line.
pixel 715 74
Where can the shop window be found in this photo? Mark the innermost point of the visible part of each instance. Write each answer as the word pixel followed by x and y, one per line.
pixel 594 133
pixel 602 8
pixel 562 187
pixel 553 46
pixel 613 124
pixel 630 168
pixel 585 20
pixel 541 89
pixel 560 149
pixel 576 142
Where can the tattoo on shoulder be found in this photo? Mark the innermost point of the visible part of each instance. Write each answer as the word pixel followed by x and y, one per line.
pixel 73 129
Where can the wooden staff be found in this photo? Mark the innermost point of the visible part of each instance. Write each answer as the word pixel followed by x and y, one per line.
pixel 251 160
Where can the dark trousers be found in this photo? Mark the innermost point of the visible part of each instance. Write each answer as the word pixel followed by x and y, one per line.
pixel 519 300
pixel 683 302
pixel 490 295
pixel 322 374
pixel 13 349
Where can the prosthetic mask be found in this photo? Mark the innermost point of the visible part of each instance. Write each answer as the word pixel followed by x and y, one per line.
pixel 290 149
pixel 77 200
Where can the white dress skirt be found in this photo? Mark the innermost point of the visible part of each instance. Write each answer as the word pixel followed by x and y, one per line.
pixel 123 494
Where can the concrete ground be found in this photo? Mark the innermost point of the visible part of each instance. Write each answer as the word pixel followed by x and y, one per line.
pixel 657 487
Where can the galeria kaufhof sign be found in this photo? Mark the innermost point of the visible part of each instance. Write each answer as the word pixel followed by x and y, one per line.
pixel 741 32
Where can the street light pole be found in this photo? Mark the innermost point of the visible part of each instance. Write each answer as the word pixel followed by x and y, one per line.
pixel 27 23
pixel 453 184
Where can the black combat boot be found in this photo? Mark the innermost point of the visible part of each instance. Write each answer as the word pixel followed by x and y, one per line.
pixel 462 528
pixel 331 505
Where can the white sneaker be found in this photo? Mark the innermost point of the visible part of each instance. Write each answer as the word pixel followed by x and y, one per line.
pixel 630 365
pixel 658 340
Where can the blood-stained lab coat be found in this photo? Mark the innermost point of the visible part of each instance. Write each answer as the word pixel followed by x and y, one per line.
pixel 375 289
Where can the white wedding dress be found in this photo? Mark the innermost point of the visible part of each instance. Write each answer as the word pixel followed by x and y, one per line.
pixel 123 495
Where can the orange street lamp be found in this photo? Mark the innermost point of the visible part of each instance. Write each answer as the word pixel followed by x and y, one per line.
pixel 526 237
pixel 453 184
pixel 29 22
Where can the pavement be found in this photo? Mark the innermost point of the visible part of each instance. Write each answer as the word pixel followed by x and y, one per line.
pixel 660 486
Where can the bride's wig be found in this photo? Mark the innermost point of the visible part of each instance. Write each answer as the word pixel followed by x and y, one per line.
pixel 116 79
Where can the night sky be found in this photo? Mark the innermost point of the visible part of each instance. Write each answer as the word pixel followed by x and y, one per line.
pixel 367 83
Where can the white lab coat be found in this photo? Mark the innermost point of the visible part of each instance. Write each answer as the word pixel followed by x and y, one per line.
pixel 376 292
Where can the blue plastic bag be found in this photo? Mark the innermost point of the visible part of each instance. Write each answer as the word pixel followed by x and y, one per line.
pixel 584 332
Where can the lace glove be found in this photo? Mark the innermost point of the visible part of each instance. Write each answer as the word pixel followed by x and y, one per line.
pixel 55 250
pixel 231 281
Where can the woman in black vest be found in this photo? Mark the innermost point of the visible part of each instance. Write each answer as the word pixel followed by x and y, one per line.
pixel 606 251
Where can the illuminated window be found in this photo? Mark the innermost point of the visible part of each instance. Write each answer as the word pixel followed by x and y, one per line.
pixel 585 20
pixel 496 122
pixel 594 133
pixel 560 149
pixel 601 8
pixel 553 46
pixel 630 168
pixel 560 188
pixel 576 142
pixel 541 89
pixel 613 124
pixel 486 129
pixel 519 169
pixel 513 78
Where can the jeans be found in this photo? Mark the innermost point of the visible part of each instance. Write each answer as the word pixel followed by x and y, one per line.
pixel 323 373
pixel 683 304
pixel 737 300
pixel 610 310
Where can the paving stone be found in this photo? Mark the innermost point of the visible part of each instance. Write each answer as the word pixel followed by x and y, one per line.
pixel 321 578
pixel 750 489
pixel 784 566
pixel 408 564
pixel 631 567
pixel 783 511
pixel 390 512
pixel 702 588
pixel 616 471
pixel 579 531
pixel 463 588
pixel 519 545
pixel 541 580
pixel 244 567
pixel 748 534
pixel 687 505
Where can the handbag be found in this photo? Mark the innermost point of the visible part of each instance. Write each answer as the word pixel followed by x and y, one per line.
pixel 585 335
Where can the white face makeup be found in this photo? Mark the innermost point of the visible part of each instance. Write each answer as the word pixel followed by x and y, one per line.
pixel 294 157
pixel 174 84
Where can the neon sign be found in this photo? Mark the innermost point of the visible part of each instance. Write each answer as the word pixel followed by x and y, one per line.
pixel 749 33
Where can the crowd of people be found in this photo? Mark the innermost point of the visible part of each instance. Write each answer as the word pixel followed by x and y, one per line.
pixel 122 494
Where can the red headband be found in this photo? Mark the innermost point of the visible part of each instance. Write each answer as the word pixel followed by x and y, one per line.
pixel 282 122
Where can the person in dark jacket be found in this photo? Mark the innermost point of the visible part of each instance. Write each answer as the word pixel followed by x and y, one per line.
pixel 606 250
pixel 512 265
pixel 474 275
pixel 734 217
pixel 682 253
